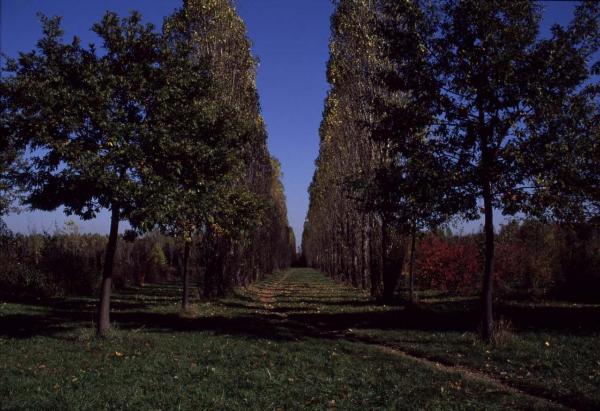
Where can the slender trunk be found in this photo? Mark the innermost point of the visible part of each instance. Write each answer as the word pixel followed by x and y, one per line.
pixel 210 253
pixel 389 274
pixel 411 269
pixel 385 262
pixel 487 320
pixel 364 251
pixel 111 248
pixel 185 303
pixel 487 324
pixel 375 263
pixel 209 277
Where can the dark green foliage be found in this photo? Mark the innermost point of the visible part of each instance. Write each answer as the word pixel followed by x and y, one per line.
pixel 67 259
pixel 10 149
pixel 83 115
pixel 25 281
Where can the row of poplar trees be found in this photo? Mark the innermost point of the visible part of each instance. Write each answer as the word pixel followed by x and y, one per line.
pixel 444 110
pixel 162 128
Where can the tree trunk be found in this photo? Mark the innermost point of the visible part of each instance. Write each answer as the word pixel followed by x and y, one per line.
pixel 487 323
pixel 411 269
pixel 185 303
pixel 111 248
pixel 364 251
pixel 375 263
pixel 390 274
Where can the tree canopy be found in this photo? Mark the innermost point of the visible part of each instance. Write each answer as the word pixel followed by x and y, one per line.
pixel 455 105
pixel 161 128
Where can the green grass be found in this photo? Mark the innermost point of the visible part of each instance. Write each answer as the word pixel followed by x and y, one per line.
pixel 296 340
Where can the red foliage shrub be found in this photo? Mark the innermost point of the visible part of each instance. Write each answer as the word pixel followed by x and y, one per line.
pixel 448 264
pixel 508 263
pixel 527 260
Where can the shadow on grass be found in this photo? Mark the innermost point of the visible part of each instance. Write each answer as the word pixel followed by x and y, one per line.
pixel 77 303
pixel 327 302
pixel 579 319
pixel 55 323
pixel 154 292
pixel 300 325
pixel 291 318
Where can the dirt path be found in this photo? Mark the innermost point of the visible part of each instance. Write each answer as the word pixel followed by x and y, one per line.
pixel 267 294
pixel 275 296
pixel 465 373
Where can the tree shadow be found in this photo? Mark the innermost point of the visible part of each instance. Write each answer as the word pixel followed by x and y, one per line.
pixel 76 303
pixel 326 302
pixel 57 323
pixel 288 319
pixel 574 319
pixel 396 318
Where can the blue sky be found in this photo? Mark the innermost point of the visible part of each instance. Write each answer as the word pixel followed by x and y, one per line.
pixel 290 37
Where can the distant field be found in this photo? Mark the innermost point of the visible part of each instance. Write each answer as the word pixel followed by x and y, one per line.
pixel 294 341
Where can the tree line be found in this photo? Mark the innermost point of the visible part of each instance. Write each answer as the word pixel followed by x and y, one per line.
pixel 160 127
pixel 445 111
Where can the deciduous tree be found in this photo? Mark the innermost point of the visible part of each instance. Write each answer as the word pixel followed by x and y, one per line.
pixel 83 116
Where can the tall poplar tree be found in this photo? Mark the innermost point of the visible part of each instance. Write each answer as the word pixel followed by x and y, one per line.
pixel 194 142
pixel 342 237
pixel 236 243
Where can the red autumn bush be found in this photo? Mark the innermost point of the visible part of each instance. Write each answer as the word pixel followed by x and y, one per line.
pixel 448 264
pixel 527 260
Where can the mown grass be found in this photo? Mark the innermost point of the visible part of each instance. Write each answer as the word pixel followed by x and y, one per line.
pixel 293 341
pixel 563 367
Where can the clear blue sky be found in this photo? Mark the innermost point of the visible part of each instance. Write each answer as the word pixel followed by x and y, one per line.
pixel 290 38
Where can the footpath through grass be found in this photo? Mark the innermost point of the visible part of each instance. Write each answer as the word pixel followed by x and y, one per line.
pixel 294 341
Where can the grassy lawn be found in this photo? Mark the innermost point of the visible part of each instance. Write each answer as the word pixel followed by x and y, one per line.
pixel 296 340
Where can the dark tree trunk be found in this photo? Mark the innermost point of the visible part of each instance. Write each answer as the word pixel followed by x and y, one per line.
pixel 209 280
pixel 487 318
pixel 411 269
pixel 111 248
pixel 375 263
pixel 390 273
pixel 215 268
pixel 487 323
pixel 364 251
pixel 185 302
